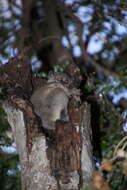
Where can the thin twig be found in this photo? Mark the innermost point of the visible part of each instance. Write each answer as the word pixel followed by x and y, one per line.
pixel 119 144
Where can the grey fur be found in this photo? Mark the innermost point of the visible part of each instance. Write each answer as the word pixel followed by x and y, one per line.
pixel 50 104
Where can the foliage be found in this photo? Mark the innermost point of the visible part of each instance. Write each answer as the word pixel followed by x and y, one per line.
pixel 9 162
pixel 60 68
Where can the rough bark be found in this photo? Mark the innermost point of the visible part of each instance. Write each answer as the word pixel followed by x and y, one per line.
pixel 86 149
pixel 65 163
pixel 31 146
pixel 60 159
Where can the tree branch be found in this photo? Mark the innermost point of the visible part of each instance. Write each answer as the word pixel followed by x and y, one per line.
pixel 101 68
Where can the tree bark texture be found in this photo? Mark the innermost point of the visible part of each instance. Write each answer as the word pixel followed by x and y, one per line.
pixel 65 163
pixel 60 159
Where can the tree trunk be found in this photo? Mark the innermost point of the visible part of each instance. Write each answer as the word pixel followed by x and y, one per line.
pixel 60 158
pixel 57 159
pixel 65 164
